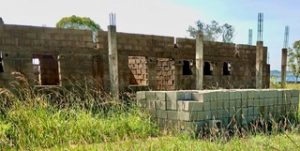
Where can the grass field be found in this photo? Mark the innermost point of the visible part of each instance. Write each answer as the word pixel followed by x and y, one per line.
pixel 284 142
pixel 32 122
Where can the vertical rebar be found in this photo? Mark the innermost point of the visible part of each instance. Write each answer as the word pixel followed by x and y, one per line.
pixel 260 27
pixel 286 37
pixel 250 37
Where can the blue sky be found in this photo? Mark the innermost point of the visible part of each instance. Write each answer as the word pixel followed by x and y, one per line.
pixel 167 17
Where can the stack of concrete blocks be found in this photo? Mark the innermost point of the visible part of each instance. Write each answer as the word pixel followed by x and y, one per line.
pixel 189 109
pixel 165 74
pixel 138 67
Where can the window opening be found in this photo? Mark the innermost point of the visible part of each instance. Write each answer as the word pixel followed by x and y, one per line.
pixel 186 70
pixel 226 68
pixel 208 69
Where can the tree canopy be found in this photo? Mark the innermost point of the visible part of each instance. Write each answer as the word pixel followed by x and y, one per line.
pixel 212 31
pixel 294 59
pixel 76 22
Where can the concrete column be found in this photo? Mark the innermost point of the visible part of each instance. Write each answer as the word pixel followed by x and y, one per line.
pixel 113 61
pixel 199 61
pixel 178 74
pixel 151 65
pixel 1 21
pixel 259 64
pixel 283 67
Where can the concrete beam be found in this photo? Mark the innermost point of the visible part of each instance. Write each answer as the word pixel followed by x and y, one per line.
pixel 113 61
pixel 259 64
pixel 199 61
pixel 283 67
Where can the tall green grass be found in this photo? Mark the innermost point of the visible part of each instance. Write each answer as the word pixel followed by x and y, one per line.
pixel 35 118
pixel 28 127
pixel 284 142
pixel 84 118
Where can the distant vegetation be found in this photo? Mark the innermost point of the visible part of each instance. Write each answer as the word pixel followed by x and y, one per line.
pixel 76 22
pixel 294 59
pixel 212 31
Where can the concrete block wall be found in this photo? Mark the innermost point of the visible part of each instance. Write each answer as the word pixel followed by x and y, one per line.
pixel 165 74
pixel 82 58
pixel 185 109
pixel 139 70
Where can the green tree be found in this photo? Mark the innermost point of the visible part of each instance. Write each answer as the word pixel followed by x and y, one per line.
pixel 212 31
pixel 294 60
pixel 76 22
pixel 227 33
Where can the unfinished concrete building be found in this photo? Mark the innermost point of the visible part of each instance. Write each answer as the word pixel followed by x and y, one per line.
pixel 51 56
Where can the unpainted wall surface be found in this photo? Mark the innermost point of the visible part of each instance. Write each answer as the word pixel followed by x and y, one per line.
pixel 184 109
pixel 81 58
pixel 139 71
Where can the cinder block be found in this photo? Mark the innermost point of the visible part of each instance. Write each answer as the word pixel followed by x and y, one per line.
pixel 235 95
pixel 244 103
pixel 251 95
pixel 143 103
pixel 220 95
pixel 295 93
pixel 152 112
pixel 161 114
pixel 238 103
pixel 182 95
pixel 226 95
pixel 171 100
pixel 150 95
pixel 215 124
pixel 226 104
pixel 250 103
pixel 295 101
pixel 184 116
pixel 221 114
pixel 206 106
pixel 262 110
pixel 161 95
pixel 182 106
pixel 256 111
pixel 207 115
pixel 140 95
pixel 160 105
pixel 191 116
pixel 173 115
pixel 196 106
pixel 152 104
pixel 213 105
pixel 190 106
pixel 251 111
pixel 214 114
pixel 244 95
pixel 213 96
pixel 201 96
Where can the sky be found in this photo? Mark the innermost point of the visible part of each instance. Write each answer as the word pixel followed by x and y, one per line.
pixel 168 17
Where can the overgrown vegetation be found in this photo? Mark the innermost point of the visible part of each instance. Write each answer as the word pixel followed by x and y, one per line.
pixel 81 118
pixel 32 120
